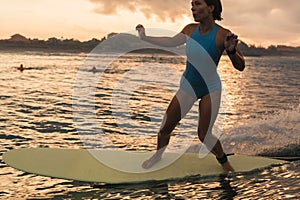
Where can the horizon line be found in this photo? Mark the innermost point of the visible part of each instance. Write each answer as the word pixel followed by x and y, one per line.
pixel 114 33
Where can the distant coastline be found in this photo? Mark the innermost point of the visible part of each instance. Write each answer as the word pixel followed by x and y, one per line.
pixel 18 43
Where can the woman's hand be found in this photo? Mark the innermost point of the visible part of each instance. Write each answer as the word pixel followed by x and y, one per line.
pixel 230 42
pixel 141 30
pixel 233 51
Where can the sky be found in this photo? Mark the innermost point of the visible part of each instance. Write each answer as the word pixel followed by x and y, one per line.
pixel 258 22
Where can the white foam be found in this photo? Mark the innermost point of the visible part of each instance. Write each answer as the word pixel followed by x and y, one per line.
pixel 274 130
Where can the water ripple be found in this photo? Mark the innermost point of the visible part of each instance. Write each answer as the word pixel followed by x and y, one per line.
pixel 36 109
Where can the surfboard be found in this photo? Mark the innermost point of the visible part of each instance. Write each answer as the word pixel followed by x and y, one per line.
pixel 84 165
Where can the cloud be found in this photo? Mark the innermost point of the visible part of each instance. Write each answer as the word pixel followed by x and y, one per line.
pixel 164 10
pixel 264 21
pixel 261 21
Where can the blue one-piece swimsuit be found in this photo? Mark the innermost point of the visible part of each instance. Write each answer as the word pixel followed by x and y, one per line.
pixel 200 76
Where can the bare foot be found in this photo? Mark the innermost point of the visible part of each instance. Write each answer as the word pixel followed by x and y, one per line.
pixel 227 167
pixel 151 161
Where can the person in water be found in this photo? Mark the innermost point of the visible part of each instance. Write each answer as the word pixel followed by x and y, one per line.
pixel 200 79
pixel 21 68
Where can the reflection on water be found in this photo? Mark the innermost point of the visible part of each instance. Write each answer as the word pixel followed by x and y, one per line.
pixel 262 112
pixel 279 182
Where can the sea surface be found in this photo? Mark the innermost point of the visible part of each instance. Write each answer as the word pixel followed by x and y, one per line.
pixel 65 100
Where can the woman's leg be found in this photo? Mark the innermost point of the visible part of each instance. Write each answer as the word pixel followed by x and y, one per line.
pixel 177 109
pixel 208 111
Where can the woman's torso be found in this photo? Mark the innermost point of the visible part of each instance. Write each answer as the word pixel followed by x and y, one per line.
pixel 203 56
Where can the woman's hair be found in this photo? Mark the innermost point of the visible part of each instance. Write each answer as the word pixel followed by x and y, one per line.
pixel 217 10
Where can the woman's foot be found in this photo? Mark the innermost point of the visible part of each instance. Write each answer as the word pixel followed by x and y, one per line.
pixel 227 167
pixel 151 161
pixel 225 163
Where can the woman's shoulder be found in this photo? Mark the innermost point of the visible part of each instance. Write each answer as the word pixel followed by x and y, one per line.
pixel 221 37
pixel 223 31
pixel 189 29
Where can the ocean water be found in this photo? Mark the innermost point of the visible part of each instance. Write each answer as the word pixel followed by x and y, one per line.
pixel 259 115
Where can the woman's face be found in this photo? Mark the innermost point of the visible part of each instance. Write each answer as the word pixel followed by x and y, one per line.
pixel 200 10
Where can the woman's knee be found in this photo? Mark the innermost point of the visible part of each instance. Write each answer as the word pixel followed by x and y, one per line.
pixel 201 135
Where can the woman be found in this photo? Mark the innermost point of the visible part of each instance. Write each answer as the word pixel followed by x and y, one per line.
pixel 199 81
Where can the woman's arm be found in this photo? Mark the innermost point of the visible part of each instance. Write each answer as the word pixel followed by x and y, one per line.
pixel 174 41
pixel 233 51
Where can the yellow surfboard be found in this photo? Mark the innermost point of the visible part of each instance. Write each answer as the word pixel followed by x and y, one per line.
pixel 122 166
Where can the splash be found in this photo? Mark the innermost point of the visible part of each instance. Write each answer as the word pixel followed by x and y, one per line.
pixel 275 131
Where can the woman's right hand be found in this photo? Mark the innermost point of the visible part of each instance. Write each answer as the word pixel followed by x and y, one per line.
pixel 141 30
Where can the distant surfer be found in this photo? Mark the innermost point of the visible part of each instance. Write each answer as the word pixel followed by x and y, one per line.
pixel 94 69
pixel 204 80
pixel 21 68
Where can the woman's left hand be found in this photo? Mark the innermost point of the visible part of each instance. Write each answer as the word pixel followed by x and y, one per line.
pixel 231 41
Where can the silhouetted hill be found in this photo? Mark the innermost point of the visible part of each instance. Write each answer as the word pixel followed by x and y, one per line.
pixel 52 44
pixel 123 43
pixel 279 50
